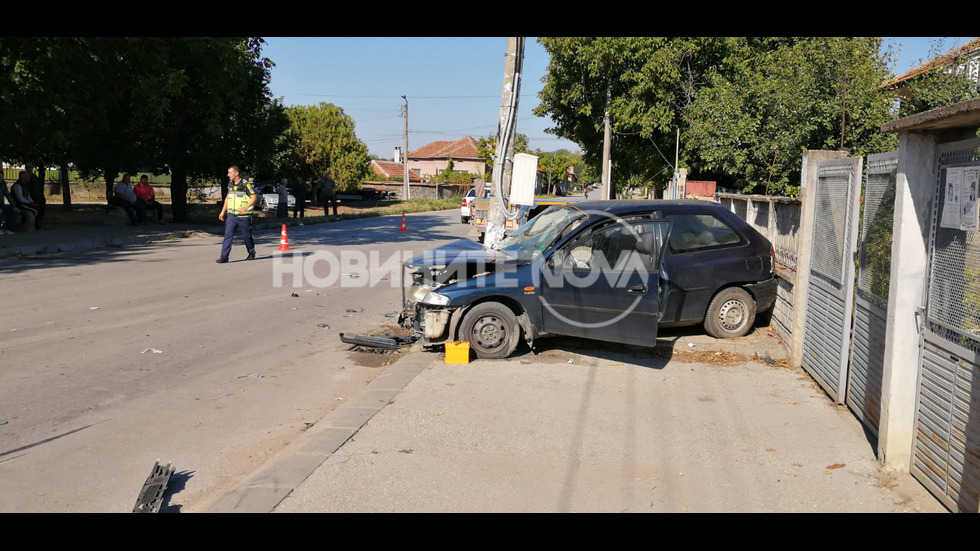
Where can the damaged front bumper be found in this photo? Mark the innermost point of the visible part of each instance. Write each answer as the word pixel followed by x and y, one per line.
pixel 431 323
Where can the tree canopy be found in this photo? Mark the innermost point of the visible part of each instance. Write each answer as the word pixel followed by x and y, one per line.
pixel 322 140
pixel 487 148
pixel 184 106
pixel 745 107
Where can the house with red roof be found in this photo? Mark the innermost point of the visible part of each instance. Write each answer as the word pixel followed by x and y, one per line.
pixel 433 158
pixel 388 170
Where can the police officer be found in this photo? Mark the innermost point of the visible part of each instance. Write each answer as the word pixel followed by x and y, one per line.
pixel 237 214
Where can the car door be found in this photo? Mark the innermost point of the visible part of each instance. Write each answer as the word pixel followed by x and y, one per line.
pixel 605 284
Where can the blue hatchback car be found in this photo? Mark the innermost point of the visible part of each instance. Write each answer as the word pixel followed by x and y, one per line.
pixel 606 270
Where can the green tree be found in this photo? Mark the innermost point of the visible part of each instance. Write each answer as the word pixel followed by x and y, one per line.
pixel 187 106
pixel 555 166
pixel 488 148
pixel 740 103
pixel 753 121
pixel 40 95
pixel 212 120
pixel 323 140
pixel 640 80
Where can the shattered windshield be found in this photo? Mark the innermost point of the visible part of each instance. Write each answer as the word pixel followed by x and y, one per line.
pixel 537 235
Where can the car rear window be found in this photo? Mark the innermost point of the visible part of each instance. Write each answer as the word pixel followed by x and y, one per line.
pixel 697 232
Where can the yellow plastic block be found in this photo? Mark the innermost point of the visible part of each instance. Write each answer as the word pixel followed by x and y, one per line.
pixel 457 352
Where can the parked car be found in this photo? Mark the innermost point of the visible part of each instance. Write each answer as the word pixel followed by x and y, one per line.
pixel 606 270
pixel 269 199
pixel 466 207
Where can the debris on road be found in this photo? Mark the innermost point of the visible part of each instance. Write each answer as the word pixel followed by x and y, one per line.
pixel 151 495
pixel 386 342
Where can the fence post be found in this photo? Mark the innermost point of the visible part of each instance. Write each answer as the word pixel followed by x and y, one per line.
pixel 808 179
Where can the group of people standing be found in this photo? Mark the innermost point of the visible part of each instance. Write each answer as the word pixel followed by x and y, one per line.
pixel 25 198
pixel 327 192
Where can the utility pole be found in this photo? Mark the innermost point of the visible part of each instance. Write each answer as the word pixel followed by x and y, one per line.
pixel 607 186
pixel 407 190
pixel 677 155
pixel 506 133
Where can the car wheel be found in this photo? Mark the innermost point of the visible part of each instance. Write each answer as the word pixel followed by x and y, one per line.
pixel 730 314
pixel 464 219
pixel 491 329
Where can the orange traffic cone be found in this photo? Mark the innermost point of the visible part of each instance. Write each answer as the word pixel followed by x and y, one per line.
pixel 404 228
pixel 284 240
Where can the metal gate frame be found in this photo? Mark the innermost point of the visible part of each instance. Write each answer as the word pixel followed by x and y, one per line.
pixel 867 358
pixel 946 449
pixel 826 335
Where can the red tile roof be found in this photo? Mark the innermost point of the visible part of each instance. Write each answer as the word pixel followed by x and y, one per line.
pixel 464 148
pixel 951 57
pixel 389 169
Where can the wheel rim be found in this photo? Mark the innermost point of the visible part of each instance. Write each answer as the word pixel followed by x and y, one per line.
pixel 489 332
pixel 732 315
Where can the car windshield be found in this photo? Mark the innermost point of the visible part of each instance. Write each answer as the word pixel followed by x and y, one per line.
pixel 537 235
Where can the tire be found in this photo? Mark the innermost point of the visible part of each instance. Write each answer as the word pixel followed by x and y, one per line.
pixel 730 314
pixel 464 219
pixel 491 329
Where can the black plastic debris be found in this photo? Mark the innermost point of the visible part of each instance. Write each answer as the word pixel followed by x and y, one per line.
pixel 151 496
pixel 387 342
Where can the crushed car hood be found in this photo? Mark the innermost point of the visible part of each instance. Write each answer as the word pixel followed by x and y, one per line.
pixel 462 251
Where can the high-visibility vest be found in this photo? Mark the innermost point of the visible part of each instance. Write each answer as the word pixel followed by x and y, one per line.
pixel 238 198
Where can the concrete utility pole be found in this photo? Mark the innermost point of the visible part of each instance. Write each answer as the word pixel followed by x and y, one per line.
pixel 407 191
pixel 607 188
pixel 506 134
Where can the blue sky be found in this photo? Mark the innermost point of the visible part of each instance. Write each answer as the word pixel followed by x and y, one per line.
pixel 453 85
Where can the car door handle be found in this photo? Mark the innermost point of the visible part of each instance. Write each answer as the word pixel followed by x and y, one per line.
pixel 637 290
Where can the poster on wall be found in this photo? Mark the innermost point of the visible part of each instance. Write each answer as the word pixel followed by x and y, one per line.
pixel 968 220
pixel 960 198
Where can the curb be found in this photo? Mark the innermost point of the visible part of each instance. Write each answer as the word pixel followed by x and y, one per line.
pixel 275 480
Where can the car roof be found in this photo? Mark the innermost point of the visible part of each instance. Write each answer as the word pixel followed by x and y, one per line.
pixel 627 206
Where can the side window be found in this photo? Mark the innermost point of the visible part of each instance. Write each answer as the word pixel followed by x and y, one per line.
pixel 696 232
pixel 623 246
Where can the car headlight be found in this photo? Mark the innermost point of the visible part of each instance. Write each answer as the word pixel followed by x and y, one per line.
pixel 435 299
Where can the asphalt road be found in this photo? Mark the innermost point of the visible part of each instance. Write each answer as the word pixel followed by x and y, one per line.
pixel 114 358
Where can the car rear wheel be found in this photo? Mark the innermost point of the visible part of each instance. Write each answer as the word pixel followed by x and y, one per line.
pixel 464 219
pixel 730 314
pixel 491 329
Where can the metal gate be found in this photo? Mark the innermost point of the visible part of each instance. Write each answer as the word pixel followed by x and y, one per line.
pixel 871 297
pixel 828 312
pixel 946 455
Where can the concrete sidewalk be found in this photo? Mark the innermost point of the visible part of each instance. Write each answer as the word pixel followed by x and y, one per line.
pixel 587 427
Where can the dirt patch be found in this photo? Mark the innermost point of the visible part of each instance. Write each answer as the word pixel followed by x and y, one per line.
pixel 716 357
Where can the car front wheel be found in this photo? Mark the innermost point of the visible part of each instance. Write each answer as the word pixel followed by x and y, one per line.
pixel 491 329
pixel 730 314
